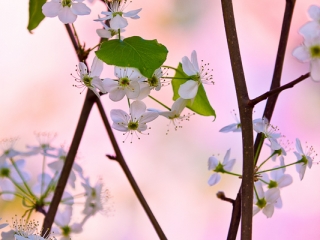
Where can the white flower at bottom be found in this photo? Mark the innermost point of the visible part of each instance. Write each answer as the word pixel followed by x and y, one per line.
pixel 304 157
pixel 136 121
pixel 66 10
pixel 265 201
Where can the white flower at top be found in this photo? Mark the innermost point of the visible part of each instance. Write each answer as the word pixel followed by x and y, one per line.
pixel 126 85
pixel 265 201
pixel 147 84
pixel 263 126
pixel 66 10
pixel 189 89
pixel 136 121
pixel 312 27
pixel 310 52
pixel 304 157
pixel 116 14
pixel 215 165
pixel 91 79
pixel 108 32
pixel 234 127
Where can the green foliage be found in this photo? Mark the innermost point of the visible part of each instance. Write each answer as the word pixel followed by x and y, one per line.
pixel 146 55
pixel 35 13
pixel 201 104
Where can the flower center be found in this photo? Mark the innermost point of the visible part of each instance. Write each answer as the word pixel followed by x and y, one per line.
pixel 4 172
pixel 117 13
pixel 133 125
pixel 66 230
pixel 63 158
pixel 315 51
pixel 273 184
pixel 124 82
pixel 113 32
pixel 153 81
pixel 219 168
pixel 93 193
pixel 87 80
pixel 261 203
pixel 66 3
pixel 304 160
pixel 196 77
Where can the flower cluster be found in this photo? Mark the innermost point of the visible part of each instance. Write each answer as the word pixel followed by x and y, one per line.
pixel 267 188
pixel 37 196
pixel 309 51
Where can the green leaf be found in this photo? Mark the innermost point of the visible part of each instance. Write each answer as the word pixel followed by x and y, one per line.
pixel 35 13
pixel 201 104
pixel 146 55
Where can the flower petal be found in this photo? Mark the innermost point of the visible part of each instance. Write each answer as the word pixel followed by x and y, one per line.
pixel 119 116
pixel 137 108
pixel 315 69
pixel 118 22
pixel 214 179
pixel 314 12
pixel 80 9
pixel 51 9
pixel 132 13
pixel 117 94
pixel 268 210
pixel 96 68
pixel 66 15
pixel 148 117
pixel 188 90
pixel 301 53
pixel 212 163
pixel 103 33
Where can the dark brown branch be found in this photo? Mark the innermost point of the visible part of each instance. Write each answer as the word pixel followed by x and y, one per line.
pixel 120 159
pixel 270 102
pixel 278 90
pixel 245 118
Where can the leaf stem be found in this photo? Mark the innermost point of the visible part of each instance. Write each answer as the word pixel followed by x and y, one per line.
pixel 162 104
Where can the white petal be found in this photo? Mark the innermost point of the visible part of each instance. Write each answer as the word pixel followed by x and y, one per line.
pixel 299 147
pixel 314 12
pixel 315 69
pixel 63 218
pixel 301 53
pixel 187 67
pixel 80 9
pixel 212 163
pixel 255 210
pixel 179 105
pixel 76 228
pixel 117 94
pixel 301 169
pixel 96 68
pixel 229 165
pixel 133 90
pixel 286 180
pixel 144 90
pixel 214 179
pixel 142 127
pixel 119 116
pixel 188 90
pixel 272 195
pixel 137 108
pixel 66 15
pixel 226 157
pixel 268 210
pixel 51 9
pixel 310 29
pixel 118 22
pixel 103 33
pixel 229 128
pixel 278 203
pixel 132 13
pixel 121 128
pixel 148 117
pixel 98 83
pixel 258 186
pixel 194 61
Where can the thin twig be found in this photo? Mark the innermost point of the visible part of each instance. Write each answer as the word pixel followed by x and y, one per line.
pixel 246 120
pixel 120 159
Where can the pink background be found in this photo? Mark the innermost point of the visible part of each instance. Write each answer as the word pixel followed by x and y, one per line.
pixel 171 170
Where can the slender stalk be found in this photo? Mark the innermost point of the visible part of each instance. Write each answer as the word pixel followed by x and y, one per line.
pixel 156 100
pixel 120 159
pixel 272 169
pixel 245 118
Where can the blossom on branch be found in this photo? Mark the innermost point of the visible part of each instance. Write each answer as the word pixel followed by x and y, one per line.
pixel 66 10
pixel 262 125
pixel 305 158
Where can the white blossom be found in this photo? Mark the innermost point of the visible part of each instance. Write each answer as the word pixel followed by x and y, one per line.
pixel 304 157
pixel 189 89
pixel 66 10
pixel 117 16
pixel 93 202
pixel 311 28
pixel 215 165
pixel 263 126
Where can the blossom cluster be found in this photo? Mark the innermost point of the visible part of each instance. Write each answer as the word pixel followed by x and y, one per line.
pixel 15 181
pixel 267 187
pixel 309 51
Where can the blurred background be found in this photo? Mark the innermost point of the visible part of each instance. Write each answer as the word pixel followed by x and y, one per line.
pixel 36 94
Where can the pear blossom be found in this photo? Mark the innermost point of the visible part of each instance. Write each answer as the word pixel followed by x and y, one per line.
pixel 310 52
pixel 135 121
pixel 66 10
pixel 8 174
pixel 264 201
pixel 62 220
pixel 234 127
pixel 95 198
pixel 44 147
pixel 147 84
pixel 127 84
pixel 58 165
pixel 218 167
pixel 278 180
pixel 174 115
pixel 311 28
pixel 305 158
pixel 91 79
pixel 263 126
pixel 189 89
pixel 108 32
pixel 281 152
pixel 117 16
pixel 8 150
